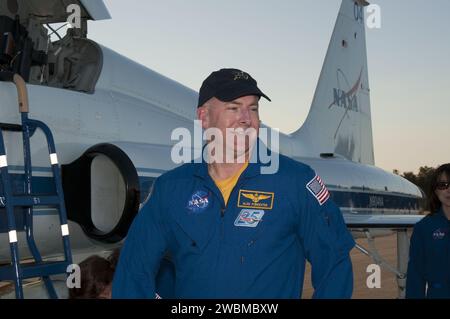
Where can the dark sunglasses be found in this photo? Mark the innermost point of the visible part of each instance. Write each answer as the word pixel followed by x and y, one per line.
pixel 442 185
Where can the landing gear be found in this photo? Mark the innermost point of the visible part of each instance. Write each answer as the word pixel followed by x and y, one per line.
pixel 402 257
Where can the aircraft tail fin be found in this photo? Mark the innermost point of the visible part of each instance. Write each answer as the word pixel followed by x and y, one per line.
pixel 339 121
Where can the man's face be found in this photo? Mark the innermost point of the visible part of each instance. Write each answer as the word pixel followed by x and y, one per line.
pixel 240 115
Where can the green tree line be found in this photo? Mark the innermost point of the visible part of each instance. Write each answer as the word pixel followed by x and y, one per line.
pixel 422 179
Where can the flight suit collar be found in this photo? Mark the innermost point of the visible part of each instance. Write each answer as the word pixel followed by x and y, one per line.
pixel 253 169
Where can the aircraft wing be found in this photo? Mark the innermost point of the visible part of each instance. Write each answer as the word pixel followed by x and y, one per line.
pixel 381 221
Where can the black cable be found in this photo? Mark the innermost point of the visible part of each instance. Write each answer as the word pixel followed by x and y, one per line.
pixel 48 26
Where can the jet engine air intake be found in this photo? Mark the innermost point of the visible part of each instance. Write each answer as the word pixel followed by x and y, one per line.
pixel 101 190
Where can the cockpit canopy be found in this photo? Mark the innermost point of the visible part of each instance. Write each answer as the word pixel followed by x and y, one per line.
pixel 53 11
pixel 70 62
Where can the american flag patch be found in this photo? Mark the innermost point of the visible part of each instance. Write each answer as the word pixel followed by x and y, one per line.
pixel 318 189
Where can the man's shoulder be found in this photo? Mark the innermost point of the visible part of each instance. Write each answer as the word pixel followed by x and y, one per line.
pixel 185 171
pixel 290 166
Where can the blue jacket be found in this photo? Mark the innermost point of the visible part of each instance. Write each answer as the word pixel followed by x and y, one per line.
pixel 429 258
pixel 254 247
pixel 165 279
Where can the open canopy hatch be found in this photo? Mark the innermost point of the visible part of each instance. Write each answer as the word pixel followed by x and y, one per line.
pixel 53 11
pixel 72 62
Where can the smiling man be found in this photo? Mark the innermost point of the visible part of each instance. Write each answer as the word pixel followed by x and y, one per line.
pixel 232 231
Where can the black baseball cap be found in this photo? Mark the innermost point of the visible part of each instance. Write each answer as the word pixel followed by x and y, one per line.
pixel 228 85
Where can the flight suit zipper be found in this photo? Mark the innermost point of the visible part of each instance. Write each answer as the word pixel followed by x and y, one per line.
pixel 222 223
pixel 223 210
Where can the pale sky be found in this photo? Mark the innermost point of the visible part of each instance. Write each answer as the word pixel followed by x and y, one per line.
pixel 282 44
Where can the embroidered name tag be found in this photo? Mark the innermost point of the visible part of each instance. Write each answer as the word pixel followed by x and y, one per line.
pixel 255 199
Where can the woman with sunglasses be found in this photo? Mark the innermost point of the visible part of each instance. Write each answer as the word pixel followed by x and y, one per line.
pixel 429 256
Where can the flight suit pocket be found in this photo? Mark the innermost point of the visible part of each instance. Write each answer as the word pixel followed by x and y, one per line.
pixel 438 290
pixel 193 232
pixel 269 225
pixel 439 249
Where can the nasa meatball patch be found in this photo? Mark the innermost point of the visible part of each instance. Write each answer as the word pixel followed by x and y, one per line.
pixel 440 233
pixel 199 202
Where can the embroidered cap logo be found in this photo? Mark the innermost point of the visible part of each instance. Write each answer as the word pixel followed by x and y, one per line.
pixel 240 76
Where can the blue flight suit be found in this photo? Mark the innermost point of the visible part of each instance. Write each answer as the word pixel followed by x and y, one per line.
pixel 253 247
pixel 429 258
pixel 165 279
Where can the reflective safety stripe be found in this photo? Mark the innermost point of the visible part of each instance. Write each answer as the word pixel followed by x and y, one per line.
pixel 13 236
pixel 3 161
pixel 65 230
pixel 53 159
